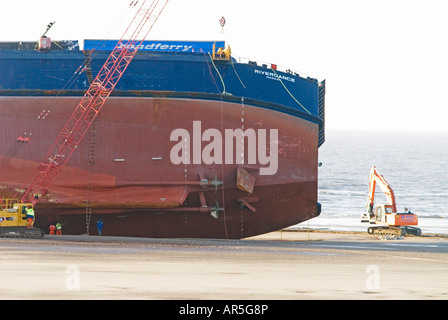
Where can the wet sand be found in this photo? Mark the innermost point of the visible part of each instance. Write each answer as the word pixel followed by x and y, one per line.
pixel 276 266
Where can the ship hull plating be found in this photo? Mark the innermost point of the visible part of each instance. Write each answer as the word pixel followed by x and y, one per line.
pixel 124 171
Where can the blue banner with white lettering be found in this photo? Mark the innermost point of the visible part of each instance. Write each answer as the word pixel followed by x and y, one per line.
pixel 150 45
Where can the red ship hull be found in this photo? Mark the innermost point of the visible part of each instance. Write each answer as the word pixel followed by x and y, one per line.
pixel 123 171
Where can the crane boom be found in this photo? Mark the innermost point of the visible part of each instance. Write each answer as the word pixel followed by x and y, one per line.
pixel 93 100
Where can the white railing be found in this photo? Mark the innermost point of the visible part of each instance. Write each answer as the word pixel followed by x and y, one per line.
pixel 270 65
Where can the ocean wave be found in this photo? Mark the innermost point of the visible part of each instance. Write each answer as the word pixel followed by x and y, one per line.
pixel 423 194
pixel 400 194
pixel 342 192
pixel 433 216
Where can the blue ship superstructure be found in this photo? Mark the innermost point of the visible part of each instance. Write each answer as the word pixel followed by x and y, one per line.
pixel 173 68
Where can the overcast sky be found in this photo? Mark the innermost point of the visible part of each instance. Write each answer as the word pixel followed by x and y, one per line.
pixel 385 62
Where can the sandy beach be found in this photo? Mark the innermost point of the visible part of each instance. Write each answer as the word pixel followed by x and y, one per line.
pixel 275 266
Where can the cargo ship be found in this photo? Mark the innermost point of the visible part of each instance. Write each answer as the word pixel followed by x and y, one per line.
pixel 192 143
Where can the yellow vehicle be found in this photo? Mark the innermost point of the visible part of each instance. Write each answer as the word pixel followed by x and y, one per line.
pixel 14 223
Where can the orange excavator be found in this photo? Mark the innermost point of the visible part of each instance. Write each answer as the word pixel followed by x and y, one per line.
pixel 385 216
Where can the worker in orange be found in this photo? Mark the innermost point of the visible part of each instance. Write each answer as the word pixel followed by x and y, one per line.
pixel 58 229
pixel 30 216
pixel 52 228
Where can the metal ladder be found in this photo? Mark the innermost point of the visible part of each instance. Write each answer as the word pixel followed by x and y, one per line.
pixel 91 175
pixel 322 112
pixel 88 68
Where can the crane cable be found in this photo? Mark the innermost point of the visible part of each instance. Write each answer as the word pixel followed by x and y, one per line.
pixel 278 77
pixel 220 77
pixel 222 130
pixel 234 69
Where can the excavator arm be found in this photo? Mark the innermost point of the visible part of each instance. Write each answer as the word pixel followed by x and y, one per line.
pixel 377 178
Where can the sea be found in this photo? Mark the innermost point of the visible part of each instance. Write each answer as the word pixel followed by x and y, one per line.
pixel 413 163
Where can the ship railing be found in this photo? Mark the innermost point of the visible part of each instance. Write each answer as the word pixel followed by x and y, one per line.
pixel 269 65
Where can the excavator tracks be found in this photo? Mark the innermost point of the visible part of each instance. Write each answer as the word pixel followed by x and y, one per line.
pixel 386 231
pixel 412 230
pixel 21 232
pixel 394 231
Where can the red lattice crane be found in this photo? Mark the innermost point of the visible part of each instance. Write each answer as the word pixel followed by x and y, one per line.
pixel 93 100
